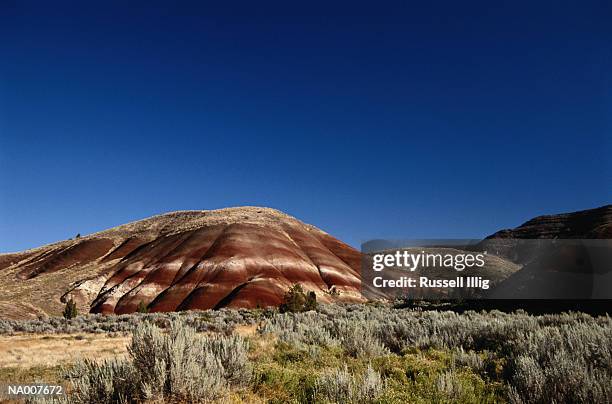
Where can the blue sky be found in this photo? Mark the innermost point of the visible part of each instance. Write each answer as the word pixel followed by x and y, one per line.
pixel 369 120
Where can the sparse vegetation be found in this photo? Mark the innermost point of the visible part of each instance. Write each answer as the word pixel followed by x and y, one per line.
pixel 70 310
pixel 221 321
pixel 142 308
pixel 365 353
pixel 296 300
pixel 311 301
pixel 514 357
pixel 340 386
pixel 177 365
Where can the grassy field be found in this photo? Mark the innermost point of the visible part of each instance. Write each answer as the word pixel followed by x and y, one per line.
pixel 340 353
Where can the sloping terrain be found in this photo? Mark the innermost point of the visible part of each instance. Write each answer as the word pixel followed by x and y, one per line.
pixel 249 257
pixel 524 243
pixel 585 224
pixel 565 256
pixel 495 270
pixel 236 257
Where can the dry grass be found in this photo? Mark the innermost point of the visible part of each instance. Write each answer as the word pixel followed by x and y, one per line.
pixel 16 310
pixel 246 330
pixel 41 296
pixel 32 351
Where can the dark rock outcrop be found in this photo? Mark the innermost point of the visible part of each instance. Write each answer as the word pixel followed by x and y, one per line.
pixel 585 224
pixel 564 256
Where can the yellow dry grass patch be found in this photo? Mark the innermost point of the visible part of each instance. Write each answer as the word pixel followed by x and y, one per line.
pixel 246 330
pixel 33 350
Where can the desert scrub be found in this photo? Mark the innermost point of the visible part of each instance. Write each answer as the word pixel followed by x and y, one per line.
pixel 293 374
pixel 342 386
pixel 220 321
pixel 288 373
pixel 176 364
pixel 109 382
pixel 427 376
pixel 550 358
pixel 359 338
pixel 419 356
pixel 569 363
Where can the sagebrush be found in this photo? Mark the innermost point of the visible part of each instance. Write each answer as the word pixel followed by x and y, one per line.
pixel 347 353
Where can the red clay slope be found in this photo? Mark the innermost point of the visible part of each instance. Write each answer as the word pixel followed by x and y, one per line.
pixel 237 257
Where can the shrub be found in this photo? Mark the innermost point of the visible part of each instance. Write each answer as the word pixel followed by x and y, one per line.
pixel 294 300
pixel 359 338
pixel 107 382
pixel 221 321
pixel 450 385
pixel 142 307
pixel 311 301
pixel 341 386
pixel 176 364
pixel 514 357
pixel 232 353
pixel 173 366
pixel 564 357
pixel 468 359
pixel 70 310
pixel 570 363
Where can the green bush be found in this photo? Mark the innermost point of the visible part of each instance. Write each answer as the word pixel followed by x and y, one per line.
pixel 311 301
pixel 563 357
pixel 142 307
pixel 70 310
pixel 296 301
